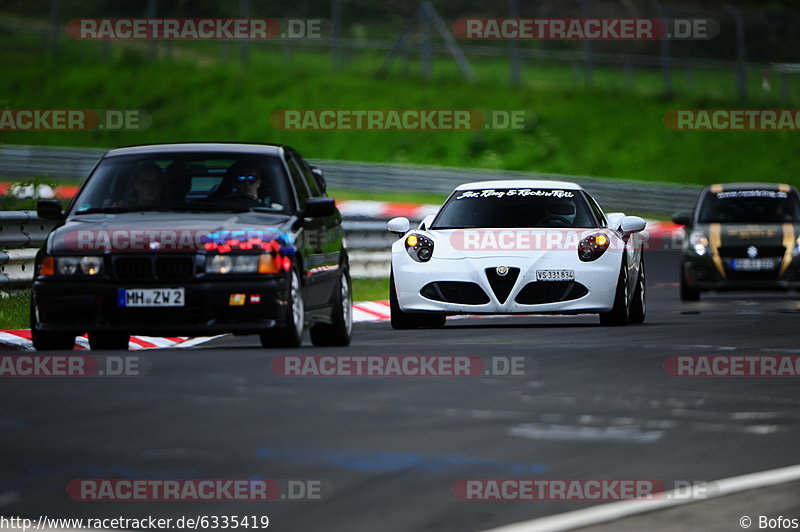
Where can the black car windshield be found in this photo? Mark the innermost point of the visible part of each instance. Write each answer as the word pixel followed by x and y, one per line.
pixel 515 207
pixel 186 182
pixel 750 206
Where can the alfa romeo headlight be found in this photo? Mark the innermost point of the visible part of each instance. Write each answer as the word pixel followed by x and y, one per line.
pixel 419 248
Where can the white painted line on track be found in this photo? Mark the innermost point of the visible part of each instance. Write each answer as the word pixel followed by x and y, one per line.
pixel 613 511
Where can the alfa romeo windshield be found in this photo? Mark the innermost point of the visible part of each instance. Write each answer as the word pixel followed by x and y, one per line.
pixel 512 208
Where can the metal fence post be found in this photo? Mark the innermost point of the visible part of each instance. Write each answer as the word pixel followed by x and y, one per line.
pixel 152 45
pixel 54 28
pixel 784 87
pixel 244 45
pixel 336 44
pixel 741 72
pixel 152 12
pixel 666 56
pixel 628 74
pixel 425 52
pixel 586 10
pixel 513 47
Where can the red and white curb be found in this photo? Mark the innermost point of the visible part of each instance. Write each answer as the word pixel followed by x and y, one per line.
pixel 21 339
pixel 364 311
pixel 371 311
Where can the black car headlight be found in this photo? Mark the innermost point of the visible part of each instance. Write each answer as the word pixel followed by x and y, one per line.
pixel 249 263
pixel 74 266
pixel 698 242
pixel 592 247
pixel 419 248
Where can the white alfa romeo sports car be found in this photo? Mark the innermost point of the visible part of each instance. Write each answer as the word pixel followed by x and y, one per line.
pixel 517 247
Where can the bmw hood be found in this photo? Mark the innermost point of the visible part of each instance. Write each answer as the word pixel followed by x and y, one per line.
pixel 155 231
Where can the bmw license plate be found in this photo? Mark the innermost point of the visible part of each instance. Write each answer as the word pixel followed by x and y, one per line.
pixel 753 265
pixel 150 297
pixel 555 275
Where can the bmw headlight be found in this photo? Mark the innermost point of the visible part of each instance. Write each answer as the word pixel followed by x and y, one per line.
pixel 250 263
pixel 419 248
pixel 698 242
pixel 72 266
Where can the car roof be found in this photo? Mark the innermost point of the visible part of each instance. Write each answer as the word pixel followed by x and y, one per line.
pixel 521 183
pixel 198 147
pixel 722 187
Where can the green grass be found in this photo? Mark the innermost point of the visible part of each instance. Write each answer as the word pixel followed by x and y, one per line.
pixel 608 131
pixel 370 289
pixel 14 309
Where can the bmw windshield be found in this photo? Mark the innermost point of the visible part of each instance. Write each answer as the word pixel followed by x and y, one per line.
pixel 186 182
pixel 512 208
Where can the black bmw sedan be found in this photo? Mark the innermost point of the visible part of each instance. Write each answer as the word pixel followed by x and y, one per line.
pixel 191 240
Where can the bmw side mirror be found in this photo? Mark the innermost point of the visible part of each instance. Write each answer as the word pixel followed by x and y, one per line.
pixel 319 177
pixel 682 218
pixel 319 207
pixel 399 225
pixel 49 209
pixel 632 224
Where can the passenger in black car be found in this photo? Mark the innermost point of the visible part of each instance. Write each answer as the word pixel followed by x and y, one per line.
pixel 147 188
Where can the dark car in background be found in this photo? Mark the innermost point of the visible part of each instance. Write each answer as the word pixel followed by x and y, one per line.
pixel 741 236
pixel 193 240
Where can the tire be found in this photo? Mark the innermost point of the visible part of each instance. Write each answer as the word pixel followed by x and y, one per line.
pixel 340 330
pixel 688 293
pixel 620 312
pixel 109 340
pixel 405 320
pixel 290 332
pixel 638 309
pixel 49 341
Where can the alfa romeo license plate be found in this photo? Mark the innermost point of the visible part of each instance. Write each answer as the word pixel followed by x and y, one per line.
pixel 555 275
pixel 150 297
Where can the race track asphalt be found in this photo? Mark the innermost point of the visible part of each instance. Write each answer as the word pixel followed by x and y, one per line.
pixel 594 402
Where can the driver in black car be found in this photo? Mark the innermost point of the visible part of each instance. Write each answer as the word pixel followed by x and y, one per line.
pixel 246 182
